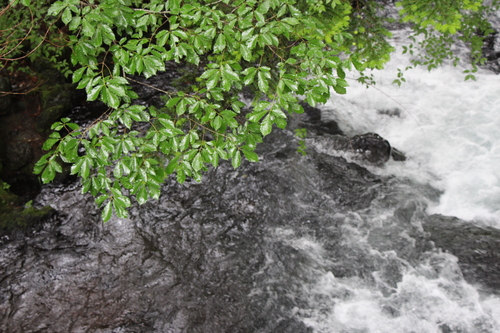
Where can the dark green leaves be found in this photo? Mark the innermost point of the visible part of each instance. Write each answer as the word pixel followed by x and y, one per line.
pixel 283 51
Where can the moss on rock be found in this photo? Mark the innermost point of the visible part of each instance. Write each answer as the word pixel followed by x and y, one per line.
pixel 14 215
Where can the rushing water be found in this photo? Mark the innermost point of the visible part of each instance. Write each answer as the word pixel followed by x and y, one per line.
pixel 448 127
pixel 324 243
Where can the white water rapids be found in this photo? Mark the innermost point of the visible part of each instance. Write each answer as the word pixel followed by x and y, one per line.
pixel 448 128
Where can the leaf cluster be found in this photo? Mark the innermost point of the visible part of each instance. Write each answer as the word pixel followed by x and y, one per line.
pixel 285 51
pixel 29 35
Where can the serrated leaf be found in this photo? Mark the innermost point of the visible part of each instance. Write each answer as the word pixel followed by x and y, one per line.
pixel 107 212
pixel 217 122
pixel 88 28
pixel 110 98
pixel 266 125
pixel 142 194
pixel 40 164
pixel 49 173
pixel 66 15
pixel 290 20
pixel 75 23
pixel 212 81
pixel 220 43
pixel 49 143
pixel 250 154
pixel 236 159
pixel 257 115
pixel 116 89
pixel 339 90
pixel 162 37
pixel 94 93
pixel 262 82
pixel 77 75
pixel 56 8
pixel 245 52
pixel 197 162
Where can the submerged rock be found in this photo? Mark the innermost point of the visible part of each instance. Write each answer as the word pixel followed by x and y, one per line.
pixel 369 147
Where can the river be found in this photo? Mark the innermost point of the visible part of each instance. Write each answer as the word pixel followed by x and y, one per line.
pixel 323 243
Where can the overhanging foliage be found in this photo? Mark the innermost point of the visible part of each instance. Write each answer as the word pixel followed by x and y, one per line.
pixel 284 51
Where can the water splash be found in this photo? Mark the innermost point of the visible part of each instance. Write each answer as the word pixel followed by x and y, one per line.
pixel 447 127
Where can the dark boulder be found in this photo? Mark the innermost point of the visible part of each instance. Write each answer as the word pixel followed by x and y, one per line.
pixel 372 147
pixel 375 149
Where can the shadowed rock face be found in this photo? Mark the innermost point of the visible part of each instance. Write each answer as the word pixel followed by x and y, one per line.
pixel 201 259
pixel 242 251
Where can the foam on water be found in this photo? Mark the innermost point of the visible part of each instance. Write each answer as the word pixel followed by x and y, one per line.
pixel 448 128
pixel 431 297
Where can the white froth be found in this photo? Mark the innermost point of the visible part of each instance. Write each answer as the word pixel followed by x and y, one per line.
pixel 448 128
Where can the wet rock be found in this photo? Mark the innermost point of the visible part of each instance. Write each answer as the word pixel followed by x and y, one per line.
pixel 392 112
pixel 311 120
pixel 186 263
pixel 14 218
pixel 5 98
pixel 369 147
pixel 476 248
pixel 56 101
pixel 397 155
pixel 491 51
pixel 372 147
pixel 19 154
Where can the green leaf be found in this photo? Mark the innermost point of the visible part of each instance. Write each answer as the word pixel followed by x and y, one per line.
pixel 109 97
pixel 56 8
pixel 197 162
pixel 262 82
pixel 142 21
pixel 49 143
pixel 236 159
pixel 339 90
pixel 75 23
pixel 49 173
pixel 40 164
pixel 246 53
pixel 66 16
pixel 290 20
pixel 116 89
pixel 142 194
pixel 217 122
pixel 250 154
pixel 88 28
pixel 77 75
pixel 94 93
pixel 220 43
pixel 212 81
pixel 249 75
pixel 107 212
pixel 266 125
pixel 257 115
